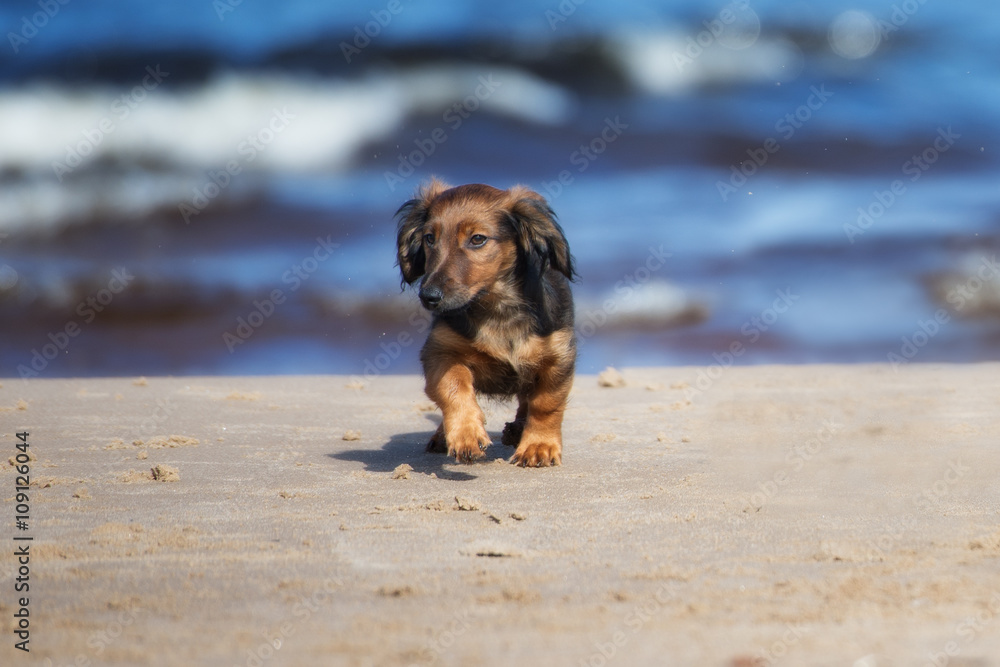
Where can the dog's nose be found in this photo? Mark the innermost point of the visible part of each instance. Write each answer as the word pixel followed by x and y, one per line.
pixel 430 296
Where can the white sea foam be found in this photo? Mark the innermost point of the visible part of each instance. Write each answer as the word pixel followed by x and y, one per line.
pixel 44 205
pixel 54 139
pixel 656 303
pixel 204 127
pixel 671 62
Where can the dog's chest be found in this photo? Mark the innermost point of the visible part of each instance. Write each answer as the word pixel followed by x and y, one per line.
pixel 511 342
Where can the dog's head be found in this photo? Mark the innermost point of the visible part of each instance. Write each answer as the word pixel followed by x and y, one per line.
pixel 466 240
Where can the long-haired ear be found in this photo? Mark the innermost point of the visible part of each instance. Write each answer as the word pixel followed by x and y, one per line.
pixel 409 232
pixel 539 236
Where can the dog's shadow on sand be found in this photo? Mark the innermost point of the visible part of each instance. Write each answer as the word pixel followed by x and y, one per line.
pixel 411 448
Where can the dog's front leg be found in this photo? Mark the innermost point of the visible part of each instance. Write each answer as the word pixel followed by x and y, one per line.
pixel 541 440
pixel 463 429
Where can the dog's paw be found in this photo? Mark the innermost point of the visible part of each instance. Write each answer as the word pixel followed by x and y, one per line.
pixel 537 454
pixel 468 442
pixel 437 443
pixel 512 433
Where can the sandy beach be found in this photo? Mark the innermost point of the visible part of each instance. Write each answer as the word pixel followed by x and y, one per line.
pixel 794 515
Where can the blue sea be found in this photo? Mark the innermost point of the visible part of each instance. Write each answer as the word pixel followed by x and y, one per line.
pixel 202 187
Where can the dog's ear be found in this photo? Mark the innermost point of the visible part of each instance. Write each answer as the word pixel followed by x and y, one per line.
pixel 409 233
pixel 538 234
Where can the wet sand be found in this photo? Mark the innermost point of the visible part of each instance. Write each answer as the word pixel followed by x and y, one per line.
pixel 810 515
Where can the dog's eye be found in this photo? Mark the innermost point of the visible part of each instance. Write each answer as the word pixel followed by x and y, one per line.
pixel 429 239
pixel 478 240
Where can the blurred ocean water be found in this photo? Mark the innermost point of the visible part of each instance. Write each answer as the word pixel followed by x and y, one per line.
pixel 792 181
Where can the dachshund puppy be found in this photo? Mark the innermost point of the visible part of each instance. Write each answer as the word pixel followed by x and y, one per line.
pixel 496 269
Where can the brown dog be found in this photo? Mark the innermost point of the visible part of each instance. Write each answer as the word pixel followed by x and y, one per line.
pixel 496 269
